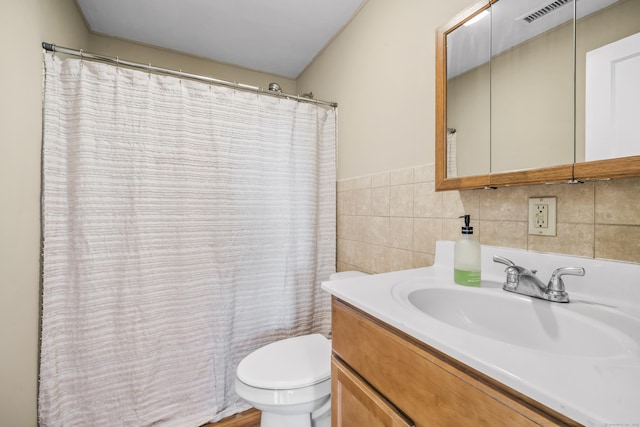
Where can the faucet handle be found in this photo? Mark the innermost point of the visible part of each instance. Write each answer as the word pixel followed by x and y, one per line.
pixel 555 289
pixel 556 283
pixel 503 260
pixel 513 272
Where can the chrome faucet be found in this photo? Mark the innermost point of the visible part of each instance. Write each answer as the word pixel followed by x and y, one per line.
pixel 525 282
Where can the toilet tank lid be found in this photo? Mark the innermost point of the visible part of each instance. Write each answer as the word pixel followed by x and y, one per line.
pixel 290 363
pixel 346 275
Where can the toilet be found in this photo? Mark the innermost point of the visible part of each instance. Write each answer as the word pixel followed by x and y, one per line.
pixel 290 380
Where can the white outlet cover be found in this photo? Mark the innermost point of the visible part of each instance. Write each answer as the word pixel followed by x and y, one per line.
pixel 550 230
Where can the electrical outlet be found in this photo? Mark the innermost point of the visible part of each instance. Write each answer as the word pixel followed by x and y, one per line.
pixel 541 213
pixel 542 216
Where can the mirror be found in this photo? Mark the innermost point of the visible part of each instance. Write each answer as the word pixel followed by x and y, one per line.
pixel 607 79
pixel 468 84
pixel 514 87
pixel 531 85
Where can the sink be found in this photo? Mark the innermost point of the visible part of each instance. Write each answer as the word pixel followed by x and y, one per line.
pixel 574 329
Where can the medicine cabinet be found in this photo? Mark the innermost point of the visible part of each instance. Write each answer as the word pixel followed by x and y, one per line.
pixel 530 92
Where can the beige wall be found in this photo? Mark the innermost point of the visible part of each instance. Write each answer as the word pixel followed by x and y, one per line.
pixel 24 25
pixel 110 46
pixel 381 71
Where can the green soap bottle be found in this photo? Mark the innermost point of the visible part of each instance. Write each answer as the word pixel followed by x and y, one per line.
pixel 466 257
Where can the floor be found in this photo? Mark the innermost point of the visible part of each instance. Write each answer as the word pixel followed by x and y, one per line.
pixel 249 418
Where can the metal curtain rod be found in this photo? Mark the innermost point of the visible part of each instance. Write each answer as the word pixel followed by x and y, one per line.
pixel 53 48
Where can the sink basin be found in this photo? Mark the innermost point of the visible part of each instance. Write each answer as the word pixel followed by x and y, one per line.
pixel 574 329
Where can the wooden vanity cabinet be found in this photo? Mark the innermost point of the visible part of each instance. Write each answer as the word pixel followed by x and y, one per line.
pixel 379 372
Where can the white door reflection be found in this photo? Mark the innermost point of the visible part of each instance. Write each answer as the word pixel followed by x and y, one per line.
pixel 613 100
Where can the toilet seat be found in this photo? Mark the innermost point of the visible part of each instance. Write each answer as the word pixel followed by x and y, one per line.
pixel 291 363
pixel 286 401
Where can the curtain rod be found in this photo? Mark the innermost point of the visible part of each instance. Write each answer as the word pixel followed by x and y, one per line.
pixel 50 47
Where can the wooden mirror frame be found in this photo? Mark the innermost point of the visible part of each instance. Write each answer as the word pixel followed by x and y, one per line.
pixel 574 172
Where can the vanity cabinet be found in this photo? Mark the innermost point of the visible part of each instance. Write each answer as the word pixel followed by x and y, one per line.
pixel 380 373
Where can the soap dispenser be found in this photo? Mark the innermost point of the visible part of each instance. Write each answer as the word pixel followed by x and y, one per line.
pixel 466 257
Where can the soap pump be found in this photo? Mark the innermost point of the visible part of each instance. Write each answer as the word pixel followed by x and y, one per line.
pixel 466 257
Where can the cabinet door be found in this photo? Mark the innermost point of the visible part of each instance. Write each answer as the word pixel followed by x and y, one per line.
pixel 355 403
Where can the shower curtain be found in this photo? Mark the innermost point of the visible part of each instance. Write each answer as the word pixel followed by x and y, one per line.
pixel 184 225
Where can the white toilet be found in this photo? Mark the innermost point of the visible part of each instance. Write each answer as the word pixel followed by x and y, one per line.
pixel 290 380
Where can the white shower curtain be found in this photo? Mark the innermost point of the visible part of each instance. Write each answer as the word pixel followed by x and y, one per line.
pixel 184 226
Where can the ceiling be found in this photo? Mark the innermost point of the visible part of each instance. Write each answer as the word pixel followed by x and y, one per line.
pixel 280 37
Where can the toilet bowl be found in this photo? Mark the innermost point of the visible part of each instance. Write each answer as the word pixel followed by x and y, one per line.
pixel 290 380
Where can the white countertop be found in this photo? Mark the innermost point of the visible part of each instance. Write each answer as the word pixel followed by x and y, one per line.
pixel 594 391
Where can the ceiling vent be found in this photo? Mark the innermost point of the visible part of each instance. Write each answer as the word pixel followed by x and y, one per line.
pixel 544 10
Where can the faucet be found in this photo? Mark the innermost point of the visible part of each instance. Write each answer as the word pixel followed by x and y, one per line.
pixel 525 282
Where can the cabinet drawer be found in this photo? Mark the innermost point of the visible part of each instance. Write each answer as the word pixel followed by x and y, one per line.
pixel 355 403
pixel 426 385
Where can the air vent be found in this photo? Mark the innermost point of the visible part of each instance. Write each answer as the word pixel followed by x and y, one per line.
pixel 544 10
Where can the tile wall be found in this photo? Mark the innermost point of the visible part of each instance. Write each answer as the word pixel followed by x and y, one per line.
pixel 391 221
